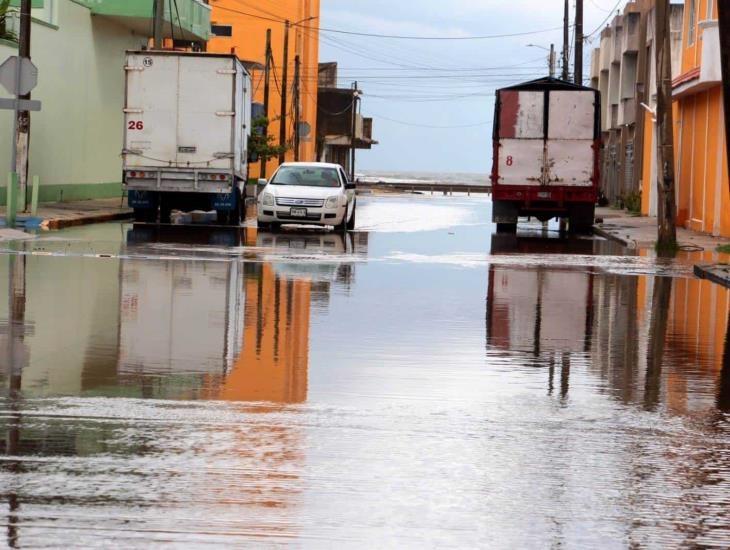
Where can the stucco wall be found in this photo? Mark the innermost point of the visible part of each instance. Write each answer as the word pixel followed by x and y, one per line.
pixel 76 139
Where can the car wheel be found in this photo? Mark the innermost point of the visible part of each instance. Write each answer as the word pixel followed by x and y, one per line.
pixel 351 223
pixel 342 226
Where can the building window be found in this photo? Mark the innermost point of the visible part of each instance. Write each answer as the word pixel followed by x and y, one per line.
pixel 222 30
pixel 692 22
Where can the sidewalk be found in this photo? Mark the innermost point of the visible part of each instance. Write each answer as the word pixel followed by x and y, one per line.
pixel 58 215
pixel 641 232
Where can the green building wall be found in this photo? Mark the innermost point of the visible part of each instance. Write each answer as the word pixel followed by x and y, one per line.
pixel 76 139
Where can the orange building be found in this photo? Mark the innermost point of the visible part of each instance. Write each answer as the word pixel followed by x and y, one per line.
pixel 703 199
pixel 240 27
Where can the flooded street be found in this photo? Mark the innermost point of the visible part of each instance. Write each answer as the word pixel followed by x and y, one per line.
pixel 419 382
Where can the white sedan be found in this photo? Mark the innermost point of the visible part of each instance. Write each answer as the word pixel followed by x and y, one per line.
pixel 310 193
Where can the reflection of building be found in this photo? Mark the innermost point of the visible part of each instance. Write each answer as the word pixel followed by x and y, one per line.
pixel 274 358
pixel 652 340
pixel 341 129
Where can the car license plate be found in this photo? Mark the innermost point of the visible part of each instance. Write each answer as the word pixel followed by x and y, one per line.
pixel 298 212
pixel 544 195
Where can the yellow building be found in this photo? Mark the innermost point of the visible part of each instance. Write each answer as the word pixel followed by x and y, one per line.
pixel 240 27
pixel 703 188
pixel 703 200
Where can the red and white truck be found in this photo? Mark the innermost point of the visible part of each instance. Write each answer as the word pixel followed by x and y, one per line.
pixel 546 153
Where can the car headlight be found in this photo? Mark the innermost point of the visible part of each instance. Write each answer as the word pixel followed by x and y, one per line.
pixel 268 199
pixel 332 202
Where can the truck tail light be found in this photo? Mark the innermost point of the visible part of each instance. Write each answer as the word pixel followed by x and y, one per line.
pixel 141 175
pixel 214 177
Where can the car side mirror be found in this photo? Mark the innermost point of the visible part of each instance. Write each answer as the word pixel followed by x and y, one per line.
pixel 350 185
pixel 262 182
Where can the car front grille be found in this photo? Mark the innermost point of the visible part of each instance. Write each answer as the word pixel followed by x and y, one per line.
pixel 311 203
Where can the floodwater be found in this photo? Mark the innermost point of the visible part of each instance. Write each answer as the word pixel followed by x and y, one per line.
pixel 420 382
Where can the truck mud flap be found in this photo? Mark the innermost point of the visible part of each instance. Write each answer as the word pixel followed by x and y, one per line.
pixel 504 212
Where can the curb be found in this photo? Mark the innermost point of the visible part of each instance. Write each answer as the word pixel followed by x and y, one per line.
pixel 60 223
pixel 711 273
pixel 598 230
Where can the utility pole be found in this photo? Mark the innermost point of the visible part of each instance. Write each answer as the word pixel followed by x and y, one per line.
pixel 353 141
pixel 666 207
pixel 724 23
pixel 159 22
pixel 267 89
pixel 552 61
pixel 297 97
pixel 566 40
pixel 284 85
pixel 578 71
pixel 22 122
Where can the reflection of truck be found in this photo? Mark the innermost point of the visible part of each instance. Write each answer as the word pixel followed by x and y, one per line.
pixel 187 121
pixel 180 317
pixel 543 310
pixel 546 150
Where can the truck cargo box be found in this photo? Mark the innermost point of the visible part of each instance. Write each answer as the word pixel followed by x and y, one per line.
pixel 546 150
pixel 187 118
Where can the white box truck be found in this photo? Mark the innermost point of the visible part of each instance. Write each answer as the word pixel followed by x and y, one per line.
pixel 187 119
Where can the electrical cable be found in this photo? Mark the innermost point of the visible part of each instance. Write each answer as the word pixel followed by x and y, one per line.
pixel 418 125
pixel 600 27
pixel 392 36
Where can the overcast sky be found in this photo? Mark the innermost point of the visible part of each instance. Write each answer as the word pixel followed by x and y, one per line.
pixel 410 85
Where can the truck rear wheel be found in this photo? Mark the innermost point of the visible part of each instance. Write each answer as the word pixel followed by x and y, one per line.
pixel 506 228
pixel 581 218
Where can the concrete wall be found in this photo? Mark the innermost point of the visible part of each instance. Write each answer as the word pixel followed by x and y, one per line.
pixel 76 139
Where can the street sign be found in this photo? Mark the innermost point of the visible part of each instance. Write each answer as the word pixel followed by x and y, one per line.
pixel 20 104
pixel 18 81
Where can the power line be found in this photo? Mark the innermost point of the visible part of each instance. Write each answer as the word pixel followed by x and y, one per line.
pixel 393 36
pixel 418 125
pixel 599 27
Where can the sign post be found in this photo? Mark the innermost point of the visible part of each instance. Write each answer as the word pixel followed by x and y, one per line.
pixel 18 75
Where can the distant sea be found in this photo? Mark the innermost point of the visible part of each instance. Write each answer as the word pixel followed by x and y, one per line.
pixel 375 176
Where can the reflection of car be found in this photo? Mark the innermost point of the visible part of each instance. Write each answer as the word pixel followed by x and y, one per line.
pixel 318 256
pixel 307 193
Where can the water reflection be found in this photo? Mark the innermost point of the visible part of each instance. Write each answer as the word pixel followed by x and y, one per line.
pixel 655 341
pixel 197 322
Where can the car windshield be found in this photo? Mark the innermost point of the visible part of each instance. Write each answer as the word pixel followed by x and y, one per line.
pixel 310 176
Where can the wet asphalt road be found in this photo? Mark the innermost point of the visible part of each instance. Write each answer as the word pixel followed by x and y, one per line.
pixel 420 382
